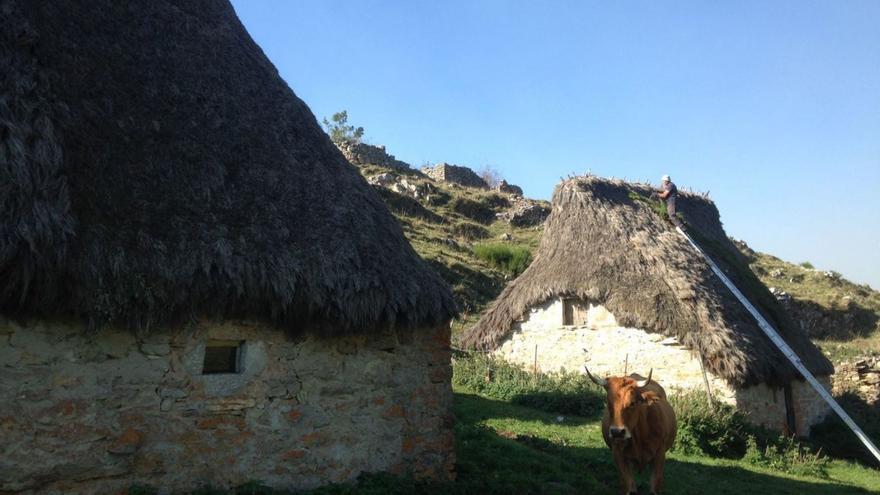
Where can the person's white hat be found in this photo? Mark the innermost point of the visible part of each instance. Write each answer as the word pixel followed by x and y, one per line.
pixel 665 178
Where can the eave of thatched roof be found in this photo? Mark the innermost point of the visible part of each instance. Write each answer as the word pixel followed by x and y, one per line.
pixel 155 167
pixel 603 246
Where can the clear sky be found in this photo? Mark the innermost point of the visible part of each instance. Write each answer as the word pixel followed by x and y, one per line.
pixel 771 106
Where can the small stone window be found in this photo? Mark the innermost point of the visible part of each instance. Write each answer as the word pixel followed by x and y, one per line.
pixel 222 356
pixel 573 312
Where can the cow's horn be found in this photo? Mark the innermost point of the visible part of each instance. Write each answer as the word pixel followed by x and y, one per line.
pixel 598 381
pixel 642 383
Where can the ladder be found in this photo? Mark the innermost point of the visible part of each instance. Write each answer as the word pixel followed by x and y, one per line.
pixel 787 351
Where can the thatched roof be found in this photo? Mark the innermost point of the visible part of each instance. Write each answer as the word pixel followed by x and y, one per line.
pixel 605 247
pixel 154 166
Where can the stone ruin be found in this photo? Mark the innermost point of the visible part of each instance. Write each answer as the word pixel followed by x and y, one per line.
pixel 366 154
pixel 455 174
pixel 861 377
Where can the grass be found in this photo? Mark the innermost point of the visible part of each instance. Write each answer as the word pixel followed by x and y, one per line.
pixel 851 312
pixel 509 443
pixel 511 259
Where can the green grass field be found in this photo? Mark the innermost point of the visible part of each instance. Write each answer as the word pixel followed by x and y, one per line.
pixel 505 447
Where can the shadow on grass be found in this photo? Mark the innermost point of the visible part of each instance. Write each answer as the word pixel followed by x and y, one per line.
pixel 835 438
pixel 491 461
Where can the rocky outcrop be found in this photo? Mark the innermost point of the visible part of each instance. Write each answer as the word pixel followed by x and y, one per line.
pixel 418 190
pixel 525 212
pixel 840 322
pixel 455 174
pixel 505 188
pixel 367 154
pixel 860 377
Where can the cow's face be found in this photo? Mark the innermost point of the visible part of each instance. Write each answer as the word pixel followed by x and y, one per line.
pixel 627 398
pixel 625 402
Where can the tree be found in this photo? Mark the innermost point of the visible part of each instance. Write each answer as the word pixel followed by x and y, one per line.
pixel 339 130
pixel 491 176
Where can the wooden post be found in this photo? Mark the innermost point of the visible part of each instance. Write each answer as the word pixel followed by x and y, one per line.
pixel 535 367
pixel 706 379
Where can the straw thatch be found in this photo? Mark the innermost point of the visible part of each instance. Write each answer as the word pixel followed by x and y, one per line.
pixel 154 167
pixel 603 246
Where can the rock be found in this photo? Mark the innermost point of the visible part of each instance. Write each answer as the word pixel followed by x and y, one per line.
pixel 525 213
pixel 780 294
pixel 127 443
pixel 367 154
pixel 455 174
pixel 505 237
pixel 383 180
pixel 506 188
pixel 777 273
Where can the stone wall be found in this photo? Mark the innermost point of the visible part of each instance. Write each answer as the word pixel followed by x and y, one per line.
pixel 95 413
pixel 367 154
pixel 860 377
pixel 455 174
pixel 610 346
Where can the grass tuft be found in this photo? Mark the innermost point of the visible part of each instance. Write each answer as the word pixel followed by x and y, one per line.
pixel 512 259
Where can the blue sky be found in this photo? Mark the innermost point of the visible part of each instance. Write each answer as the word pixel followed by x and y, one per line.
pixel 772 107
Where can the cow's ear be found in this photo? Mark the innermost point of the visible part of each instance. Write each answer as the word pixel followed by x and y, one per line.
pixel 649 397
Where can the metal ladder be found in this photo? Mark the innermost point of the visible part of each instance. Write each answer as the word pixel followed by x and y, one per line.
pixel 787 351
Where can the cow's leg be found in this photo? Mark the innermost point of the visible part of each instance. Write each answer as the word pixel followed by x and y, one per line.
pixel 657 473
pixel 624 470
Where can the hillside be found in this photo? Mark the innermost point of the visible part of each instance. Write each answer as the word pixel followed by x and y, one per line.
pixel 449 223
pixel 839 315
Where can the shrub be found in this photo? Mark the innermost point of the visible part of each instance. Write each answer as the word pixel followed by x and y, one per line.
pixel 469 231
pixel 407 206
pixel 509 258
pixel 478 211
pixel 724 432
pixel 563 393
pixel 717 432
pixel 787 455
pixel 807 265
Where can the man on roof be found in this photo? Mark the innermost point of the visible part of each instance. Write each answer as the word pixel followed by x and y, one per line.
pixel 669 193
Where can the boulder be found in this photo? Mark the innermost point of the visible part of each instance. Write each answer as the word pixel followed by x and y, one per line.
pixel 505 188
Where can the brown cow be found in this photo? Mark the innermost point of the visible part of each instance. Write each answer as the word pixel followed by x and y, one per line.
pixel 639 427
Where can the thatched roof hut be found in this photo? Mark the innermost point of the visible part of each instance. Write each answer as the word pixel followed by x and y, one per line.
pixel 605 245
pixel 154 166
pixel 157 174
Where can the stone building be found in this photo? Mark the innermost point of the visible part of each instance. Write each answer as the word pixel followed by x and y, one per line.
pixel 613 277
pixel 455 174
pixel 195 286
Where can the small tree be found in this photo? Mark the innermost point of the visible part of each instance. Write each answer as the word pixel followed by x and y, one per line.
pixel 491 176
pixel 339 130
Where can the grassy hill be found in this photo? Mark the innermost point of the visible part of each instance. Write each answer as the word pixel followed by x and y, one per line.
pixel 842 317
pixel 456 230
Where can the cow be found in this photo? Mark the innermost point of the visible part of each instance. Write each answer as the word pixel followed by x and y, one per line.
pixel 638 426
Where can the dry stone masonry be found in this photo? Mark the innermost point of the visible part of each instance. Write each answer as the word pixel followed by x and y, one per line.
pixel 367 154
pixel 860 377
pixel 92 414
pixel 455 174
pixel 540 342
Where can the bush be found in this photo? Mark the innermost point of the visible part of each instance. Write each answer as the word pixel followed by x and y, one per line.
pixel 718 432
pixel 724 432
pixel 469 231
pixel 509 258
pixel 562 393
pixel 807 265
pixel 786 455
pixel 477 211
